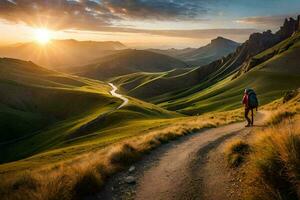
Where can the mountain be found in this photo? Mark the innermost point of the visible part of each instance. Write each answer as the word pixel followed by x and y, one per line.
pixel 129 61
pixel 266 61
pixel 215 50
pixel 60 53
pixel 43 109
pixel 270 79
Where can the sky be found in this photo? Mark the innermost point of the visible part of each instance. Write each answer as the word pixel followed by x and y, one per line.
pixel 143 23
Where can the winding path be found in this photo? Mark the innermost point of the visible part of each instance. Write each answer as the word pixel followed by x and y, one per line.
pixel 113 93
pixel 176 171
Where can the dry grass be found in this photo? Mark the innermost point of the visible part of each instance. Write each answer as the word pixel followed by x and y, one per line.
pixel 236 152
pixel 84 175
pixel 279 116
pixel 274 165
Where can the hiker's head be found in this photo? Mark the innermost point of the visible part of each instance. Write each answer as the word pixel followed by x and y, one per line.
pixel 248 90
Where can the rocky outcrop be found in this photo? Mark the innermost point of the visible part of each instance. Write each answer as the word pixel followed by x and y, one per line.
pixel 289 27
pixel 259 42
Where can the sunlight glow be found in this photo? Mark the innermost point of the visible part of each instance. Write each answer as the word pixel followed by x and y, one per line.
pixel 42 36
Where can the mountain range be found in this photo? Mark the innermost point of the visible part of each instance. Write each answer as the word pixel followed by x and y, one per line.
pixel 49 115
pixel 216 49
pixel 186 90
pixel 60 53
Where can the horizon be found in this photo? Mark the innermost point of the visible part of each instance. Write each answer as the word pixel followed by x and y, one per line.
pixel 141 24
pixel 149 99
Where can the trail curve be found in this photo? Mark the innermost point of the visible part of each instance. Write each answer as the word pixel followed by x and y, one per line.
pixel 115 94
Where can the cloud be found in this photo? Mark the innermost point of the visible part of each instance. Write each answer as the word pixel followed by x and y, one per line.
pixel 270 21
pixel 156 9
pixel 105 15
pixel 193 34
pixel 196 33
pixel 93 15
pixel 56 14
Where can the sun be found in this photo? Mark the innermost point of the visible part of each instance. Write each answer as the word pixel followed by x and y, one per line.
pixel 42 35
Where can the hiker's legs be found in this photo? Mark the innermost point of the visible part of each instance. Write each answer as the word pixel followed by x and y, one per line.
pixel 246 116
pixel 252 120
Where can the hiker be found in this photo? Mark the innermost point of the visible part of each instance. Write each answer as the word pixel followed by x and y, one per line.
pixel 250 102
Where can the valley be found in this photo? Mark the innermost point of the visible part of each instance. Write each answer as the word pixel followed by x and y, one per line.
pixel 73 122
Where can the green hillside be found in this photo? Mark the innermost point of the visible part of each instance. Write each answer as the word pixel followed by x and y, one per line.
pixel 219 85
pixel 270 79
pixel 43 109
pixel 160 87
pixel 126 62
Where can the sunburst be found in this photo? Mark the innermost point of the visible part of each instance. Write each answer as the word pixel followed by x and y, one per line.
pixel 42 35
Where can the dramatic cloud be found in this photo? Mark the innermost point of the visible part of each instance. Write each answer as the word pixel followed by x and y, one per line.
pixel 113 15
pixel 57 14
pixel 94 15
pixel 156 9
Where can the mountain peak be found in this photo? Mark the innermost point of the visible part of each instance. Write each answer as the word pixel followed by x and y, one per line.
pixel 221 41
pixel 220 38
pixel 290 26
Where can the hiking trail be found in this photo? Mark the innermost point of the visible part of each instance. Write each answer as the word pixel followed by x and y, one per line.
pixel 192 167
pixel 113 93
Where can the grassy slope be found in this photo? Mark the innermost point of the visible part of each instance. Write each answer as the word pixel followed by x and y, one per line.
pixel 156 84
pixel 129 61
pixel 193 92
pixel 42 110
pixel 270 80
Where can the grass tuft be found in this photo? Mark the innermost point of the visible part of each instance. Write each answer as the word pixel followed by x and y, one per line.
pixel 58 187
pixel 88 182
pixel 290 95
pixel 279 116
pixel 25 180
pixel 236 152
pixel 124 155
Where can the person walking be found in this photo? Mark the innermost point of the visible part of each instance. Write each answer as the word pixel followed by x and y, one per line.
pixel 250 103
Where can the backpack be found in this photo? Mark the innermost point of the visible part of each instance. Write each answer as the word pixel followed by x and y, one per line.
pixel 252 99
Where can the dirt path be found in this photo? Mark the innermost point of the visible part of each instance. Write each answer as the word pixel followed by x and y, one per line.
pixel 113 93
pixel 186 169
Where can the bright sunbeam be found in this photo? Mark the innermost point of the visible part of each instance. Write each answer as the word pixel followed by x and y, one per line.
pixel 42 36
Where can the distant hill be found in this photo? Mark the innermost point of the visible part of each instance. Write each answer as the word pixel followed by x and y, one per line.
pixel 218 48
pixel 60 53
pixel 41 109
pixel 129 61
pixel 205 88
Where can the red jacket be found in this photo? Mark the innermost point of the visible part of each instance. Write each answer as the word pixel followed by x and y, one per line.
pixel 245 100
